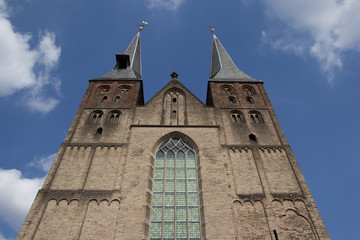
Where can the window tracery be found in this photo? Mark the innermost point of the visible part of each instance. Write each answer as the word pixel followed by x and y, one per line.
pixel 175 204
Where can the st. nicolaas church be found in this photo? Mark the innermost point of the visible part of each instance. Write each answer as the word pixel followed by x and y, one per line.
pixel 174 167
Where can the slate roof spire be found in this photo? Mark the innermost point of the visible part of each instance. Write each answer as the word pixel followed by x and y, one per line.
pixel 222 67
pixel 128 64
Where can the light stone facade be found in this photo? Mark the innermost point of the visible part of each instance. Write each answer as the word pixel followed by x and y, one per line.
pixel 100 185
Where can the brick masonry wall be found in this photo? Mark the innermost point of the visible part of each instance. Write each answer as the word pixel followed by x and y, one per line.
pixel 100 186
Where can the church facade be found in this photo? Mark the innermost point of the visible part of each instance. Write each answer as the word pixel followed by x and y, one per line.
pixel 174 167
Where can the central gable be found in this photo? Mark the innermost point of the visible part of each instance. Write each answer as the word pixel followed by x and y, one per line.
pixel 174 105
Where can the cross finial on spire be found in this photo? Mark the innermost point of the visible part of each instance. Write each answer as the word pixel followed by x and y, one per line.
pixel 174 75
pixel 212 28
pixel 142 25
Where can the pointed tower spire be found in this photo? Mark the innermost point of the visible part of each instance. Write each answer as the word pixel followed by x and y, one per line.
pixel 222 67
pixel 128 64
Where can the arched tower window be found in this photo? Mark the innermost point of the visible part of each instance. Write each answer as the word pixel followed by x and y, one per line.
pixel 249 91
pixel 175 204
pixel 232 100
pixel 256 117
pixel 95 117
pixel 104 89
pixel 114 116
pixel 249 100
pixel 124 90
pixel 237 117
pixel 227 90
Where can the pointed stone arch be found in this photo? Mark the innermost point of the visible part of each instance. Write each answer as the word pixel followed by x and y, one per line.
pixel 174 192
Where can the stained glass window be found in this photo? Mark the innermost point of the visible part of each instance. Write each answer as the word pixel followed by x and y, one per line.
pixel 175 203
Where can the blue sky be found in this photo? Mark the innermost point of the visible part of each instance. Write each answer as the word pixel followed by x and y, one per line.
pixel 306 52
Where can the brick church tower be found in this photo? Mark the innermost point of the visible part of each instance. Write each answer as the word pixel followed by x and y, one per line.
pixel 174 167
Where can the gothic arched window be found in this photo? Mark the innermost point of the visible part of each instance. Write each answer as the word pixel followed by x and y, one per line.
pixel 256 117
pixel 175 204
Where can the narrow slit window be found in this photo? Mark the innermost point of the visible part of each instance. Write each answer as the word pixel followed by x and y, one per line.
pixel 276 235
pixel 253 138
pixel 117 99
pixel 232 100
pixel 249 100
pixel 104 99
pixel 99 131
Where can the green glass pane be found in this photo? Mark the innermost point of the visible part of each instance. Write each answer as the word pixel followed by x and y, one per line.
pixel 170 155
pixel 190 163
pixel 156 214
pixel 158 185
pixel 180 163
pixel 159 173
pixel 180 155
pixel 170 162
pixel 180 173
pixel 181 214
pixel 191 173
pixel 169 186
pixel 194 230
pixel 169 199
pixel 157 199
pixel 155 230
pixel 180 186
pixel 169 230
pixel 169 214
pixel 192 186
pixel 176 140
pixel 193 199
pixel 159 162
pixel 169 173
pixel 190 155
pixel 194 214
pixel 181 230
pixel 180 159
pixel 180 199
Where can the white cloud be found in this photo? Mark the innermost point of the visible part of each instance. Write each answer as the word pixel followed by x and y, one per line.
pixel 43 162
pixel 27 68
pixel 18 193
pixel 168 4
pixel 323 28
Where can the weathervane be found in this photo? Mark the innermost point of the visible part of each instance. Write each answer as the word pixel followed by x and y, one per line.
pixel 142 25
pixel 212 28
